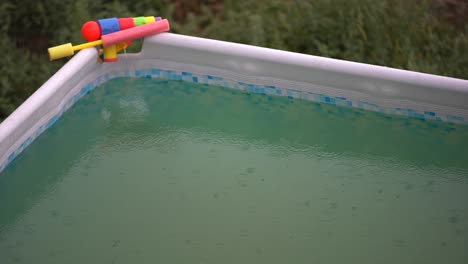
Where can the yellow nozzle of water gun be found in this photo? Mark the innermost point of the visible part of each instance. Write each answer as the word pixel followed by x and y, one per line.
pixel 67 50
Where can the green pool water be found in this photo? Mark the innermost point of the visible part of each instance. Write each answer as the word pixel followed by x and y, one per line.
pixel 151 171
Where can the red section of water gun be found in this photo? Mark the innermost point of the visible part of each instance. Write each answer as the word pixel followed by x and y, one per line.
pixel 91 31
pixel 126 23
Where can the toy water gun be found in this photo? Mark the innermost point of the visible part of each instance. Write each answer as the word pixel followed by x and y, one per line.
pixel 113 34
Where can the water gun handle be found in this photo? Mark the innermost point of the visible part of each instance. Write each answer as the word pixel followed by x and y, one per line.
pixel 67 50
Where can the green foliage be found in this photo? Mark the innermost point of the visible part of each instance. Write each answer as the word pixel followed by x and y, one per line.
pixel 395 33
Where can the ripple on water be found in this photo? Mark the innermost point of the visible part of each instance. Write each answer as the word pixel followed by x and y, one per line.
pixel 327 155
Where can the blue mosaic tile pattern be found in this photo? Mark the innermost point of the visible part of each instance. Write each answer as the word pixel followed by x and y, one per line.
pixel 291 93
pixel 215 80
